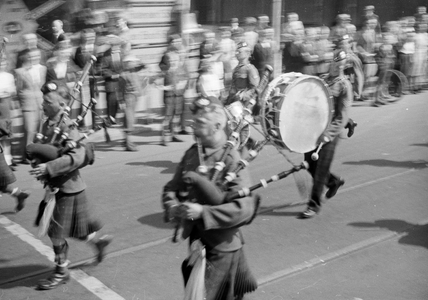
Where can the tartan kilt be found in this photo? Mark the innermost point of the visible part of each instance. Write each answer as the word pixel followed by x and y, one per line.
pixel 227 275
pixel 6 175
pixel 71 217
pixel 173 103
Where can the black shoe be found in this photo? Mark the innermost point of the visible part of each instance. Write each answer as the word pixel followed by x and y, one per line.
pixel 333 189
pixel 53 281
pixel 176 139
pixel 310 212
pixel 101 245
pixel 20 198
pixel 12 168
pixel 131 147
pixel 184 132
pixel 351 127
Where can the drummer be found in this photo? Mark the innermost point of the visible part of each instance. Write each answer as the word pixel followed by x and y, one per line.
pixel 342 93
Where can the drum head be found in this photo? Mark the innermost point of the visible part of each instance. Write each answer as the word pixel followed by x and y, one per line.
pixel 303 109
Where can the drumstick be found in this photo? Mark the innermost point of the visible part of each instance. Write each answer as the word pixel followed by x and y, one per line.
pixel 315 155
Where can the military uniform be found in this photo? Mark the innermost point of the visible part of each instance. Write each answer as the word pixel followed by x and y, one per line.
pixel 227 275
pixel 341 90
pixel 245 80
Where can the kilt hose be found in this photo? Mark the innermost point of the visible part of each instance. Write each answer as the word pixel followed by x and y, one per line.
pixel 320 172
pixel 6 175
pixel 71 217
pixel 227 275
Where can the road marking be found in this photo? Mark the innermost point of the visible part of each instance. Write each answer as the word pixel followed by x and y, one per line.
pixel 91 283
pixel 274 277
pixel 47 251
pixel 343 190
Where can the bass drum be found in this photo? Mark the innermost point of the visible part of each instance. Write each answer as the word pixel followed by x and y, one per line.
pixel 296 110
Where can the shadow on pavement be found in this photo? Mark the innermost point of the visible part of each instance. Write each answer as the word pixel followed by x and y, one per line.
pixel 415 234
pixel 409 164
pixel 19 272
pixel 168 166
pixel 155 220
pixel 421 145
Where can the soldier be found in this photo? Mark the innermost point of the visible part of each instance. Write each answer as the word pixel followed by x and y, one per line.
pixel 320 169
pixel 245 76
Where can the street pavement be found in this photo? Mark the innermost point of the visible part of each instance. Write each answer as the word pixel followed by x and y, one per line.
pixel 369 242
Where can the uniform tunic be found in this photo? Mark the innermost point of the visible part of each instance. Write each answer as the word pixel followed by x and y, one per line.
pixel 342 93
pixel 218 229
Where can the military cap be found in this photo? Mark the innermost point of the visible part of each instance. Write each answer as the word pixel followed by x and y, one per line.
pixel 207 103
pixel 369 7
pixel 234 20
pixel 57 86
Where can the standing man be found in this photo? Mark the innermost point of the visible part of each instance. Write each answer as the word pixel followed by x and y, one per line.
pixel 71 217
pixel 245 77
pixel 215 227
pixel 30 42
pixel 58 33
pixel 175 77
pixel 29 79
pixel 112 67
pixel 320 169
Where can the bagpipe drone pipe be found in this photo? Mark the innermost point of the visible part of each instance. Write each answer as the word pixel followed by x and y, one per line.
pixel 204 186
pixel 59 142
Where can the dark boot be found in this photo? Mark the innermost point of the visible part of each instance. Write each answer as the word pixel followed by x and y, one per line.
pixel 20 199
pixel 101 245
pixel 61 274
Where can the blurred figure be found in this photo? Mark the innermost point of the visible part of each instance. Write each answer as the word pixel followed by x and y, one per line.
pixel 29 80
pixel 262 23
pixel 324 49
pixel 341 27
pixel 58 33
pixel 7 91
pixel 385 60
pixel 208 83
pixel 264 50
pixel 175 77
pixel 133 89
pixel 251 37
pixel 420 57
pixel 228 49
pixel 370 15
pixel 234 26
pixel 309 52
pixel 292 39
pixel 61 66
pixel 367 45
pixel 112 67
pixel 406 53
pixel 420 16
pixel 30 42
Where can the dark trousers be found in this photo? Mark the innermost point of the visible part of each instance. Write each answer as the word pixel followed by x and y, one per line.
pixel 320 172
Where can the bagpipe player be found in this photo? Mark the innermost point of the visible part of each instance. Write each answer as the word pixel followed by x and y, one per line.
pixel 213 225
pixel 71 217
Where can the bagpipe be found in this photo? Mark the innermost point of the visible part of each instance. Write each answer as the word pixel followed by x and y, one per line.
pixel 54 145
pixel 296 110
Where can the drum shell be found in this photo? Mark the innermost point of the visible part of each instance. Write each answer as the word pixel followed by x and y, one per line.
pixel 298 108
